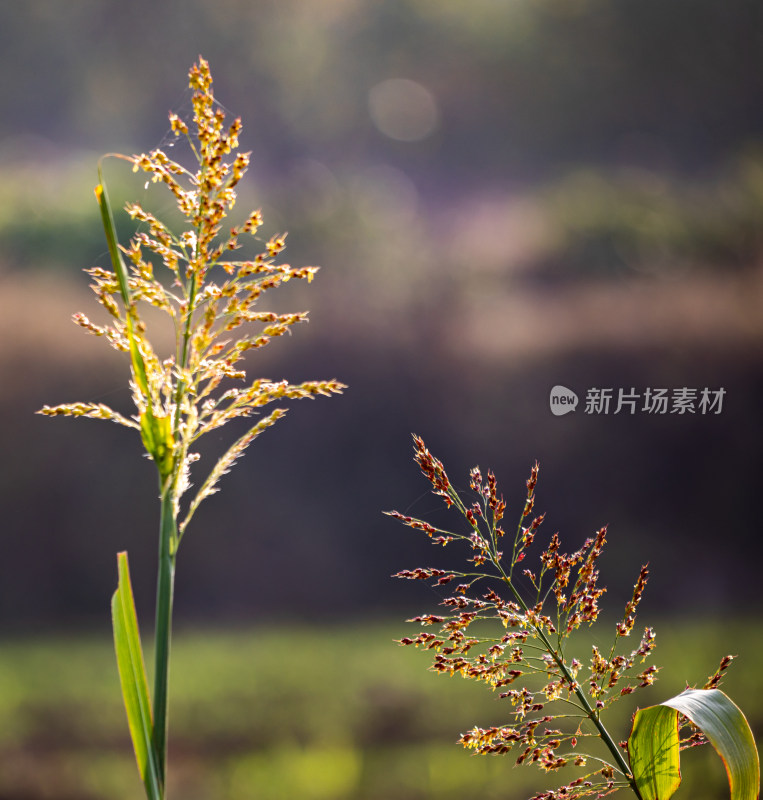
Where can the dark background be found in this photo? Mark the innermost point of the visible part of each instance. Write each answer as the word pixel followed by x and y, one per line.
pixel 584 209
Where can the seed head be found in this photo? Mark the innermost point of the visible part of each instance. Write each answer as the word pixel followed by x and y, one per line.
pixel 182 395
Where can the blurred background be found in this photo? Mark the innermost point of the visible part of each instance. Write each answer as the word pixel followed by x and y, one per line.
pixel 504 196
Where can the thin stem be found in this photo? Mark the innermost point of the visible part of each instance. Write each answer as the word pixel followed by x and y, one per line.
pixel 592 714
pixel 164 593
pixel 589 711
pixel 168 541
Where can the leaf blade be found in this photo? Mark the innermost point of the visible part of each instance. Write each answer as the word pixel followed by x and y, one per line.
pixel 653 748
pixel 155 431
pixel 117 262
pixel 132 676
pixel 727 729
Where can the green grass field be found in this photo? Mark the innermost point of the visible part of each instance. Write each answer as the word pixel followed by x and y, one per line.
pixel 335 713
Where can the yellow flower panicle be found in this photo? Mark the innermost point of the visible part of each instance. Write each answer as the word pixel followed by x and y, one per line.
pixel 186 393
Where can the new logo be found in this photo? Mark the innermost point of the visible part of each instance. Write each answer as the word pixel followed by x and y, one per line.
pixel 562 400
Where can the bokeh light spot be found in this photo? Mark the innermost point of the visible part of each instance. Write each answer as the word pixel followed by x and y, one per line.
pixel 403 109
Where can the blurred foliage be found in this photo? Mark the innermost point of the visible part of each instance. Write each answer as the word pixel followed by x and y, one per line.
pixel 593 223
pixel 576 139
pixel 612 107
pixel 547 80
pixel 319 712
pixel 636 221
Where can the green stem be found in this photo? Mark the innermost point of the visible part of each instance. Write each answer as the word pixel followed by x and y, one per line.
pixel 164 592
pixel 165 581
pixel 592 714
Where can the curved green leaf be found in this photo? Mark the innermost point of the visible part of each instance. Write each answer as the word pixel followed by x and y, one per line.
pixel 156 432
pixel 727 729
pixel 132 676
pixel 117 262
pixel 653 750
pixel 653 745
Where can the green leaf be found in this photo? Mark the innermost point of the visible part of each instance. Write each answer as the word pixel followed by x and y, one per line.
pixel 132 676
pixel 653 751
pixel 727 729
pixel 156 432
pixel 107 218
pixel 654 748
pixel 157 435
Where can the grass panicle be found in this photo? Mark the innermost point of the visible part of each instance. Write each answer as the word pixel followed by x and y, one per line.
pixel 212 301
pixel 513 628
pixel 187 393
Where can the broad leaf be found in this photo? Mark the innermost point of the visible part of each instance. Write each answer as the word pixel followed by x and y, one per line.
pixel 727 730
pixel 654 748
pixel 132 676
pixel 653 752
